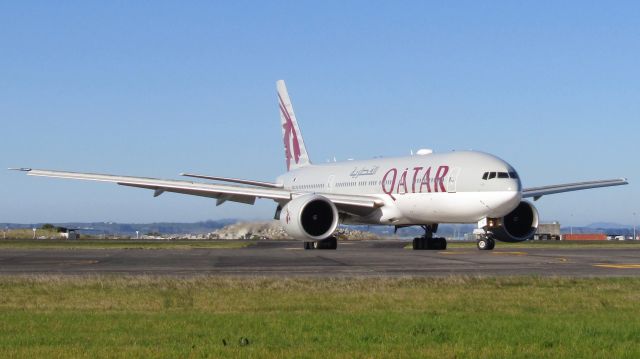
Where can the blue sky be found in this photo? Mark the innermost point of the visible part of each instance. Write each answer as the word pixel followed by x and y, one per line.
pixel 157 88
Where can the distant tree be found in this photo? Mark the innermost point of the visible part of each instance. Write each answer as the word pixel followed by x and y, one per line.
pixel 48 227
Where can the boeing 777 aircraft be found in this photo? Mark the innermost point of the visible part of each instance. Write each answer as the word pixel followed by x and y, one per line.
pixel 425 189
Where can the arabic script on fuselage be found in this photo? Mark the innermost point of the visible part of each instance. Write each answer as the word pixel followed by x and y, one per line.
pixel 363 171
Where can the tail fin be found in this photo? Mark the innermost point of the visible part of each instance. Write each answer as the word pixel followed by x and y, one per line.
pixel 294 150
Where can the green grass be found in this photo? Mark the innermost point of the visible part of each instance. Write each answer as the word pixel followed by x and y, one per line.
pixel 457 317
pixel 118 244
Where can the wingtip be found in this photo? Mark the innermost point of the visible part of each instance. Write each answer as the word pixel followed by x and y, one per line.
pixel 21 169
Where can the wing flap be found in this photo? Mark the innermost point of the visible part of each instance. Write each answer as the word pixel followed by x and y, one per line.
pixel 220 197
pixel 537 192
pixel 235 180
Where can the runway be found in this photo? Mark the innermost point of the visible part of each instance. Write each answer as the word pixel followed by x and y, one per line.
pixel 352 259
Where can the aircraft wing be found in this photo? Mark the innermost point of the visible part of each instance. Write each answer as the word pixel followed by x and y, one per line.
pixel 537 192
pixel 220 192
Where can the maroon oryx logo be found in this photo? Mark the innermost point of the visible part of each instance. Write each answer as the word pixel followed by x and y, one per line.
pixel 289 131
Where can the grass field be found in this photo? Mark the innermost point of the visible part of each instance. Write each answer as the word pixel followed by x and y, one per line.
pixel 26 233
pixel 457 317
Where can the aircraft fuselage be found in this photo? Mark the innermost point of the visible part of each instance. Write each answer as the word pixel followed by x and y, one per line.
pixel 455 187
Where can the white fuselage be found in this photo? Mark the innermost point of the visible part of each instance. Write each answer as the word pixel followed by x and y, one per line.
pixel 455 187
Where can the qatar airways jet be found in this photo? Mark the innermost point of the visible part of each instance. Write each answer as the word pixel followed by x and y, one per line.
pixel 425 189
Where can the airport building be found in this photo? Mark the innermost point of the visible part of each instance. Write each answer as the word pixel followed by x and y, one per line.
pixel 68 233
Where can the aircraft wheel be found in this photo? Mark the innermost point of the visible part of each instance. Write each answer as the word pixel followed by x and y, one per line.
pixel 436 244
pixel 483 243
pixel 492 244
pixel 308 245
pixel 331 243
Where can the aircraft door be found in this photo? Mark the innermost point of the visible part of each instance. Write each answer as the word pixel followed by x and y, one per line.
pixel 452 183
pixel 331 183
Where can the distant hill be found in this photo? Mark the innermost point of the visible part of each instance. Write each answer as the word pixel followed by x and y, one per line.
pixel 606 225
pixel 605 228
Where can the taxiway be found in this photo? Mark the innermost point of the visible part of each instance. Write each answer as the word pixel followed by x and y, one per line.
pixel 364 258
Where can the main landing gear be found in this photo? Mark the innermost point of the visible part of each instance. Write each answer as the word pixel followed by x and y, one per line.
pixel 428 241
pixel 486 243
pixel 329 243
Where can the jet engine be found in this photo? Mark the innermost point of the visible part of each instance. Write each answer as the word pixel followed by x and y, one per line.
pixel 517 226
pixel 309 217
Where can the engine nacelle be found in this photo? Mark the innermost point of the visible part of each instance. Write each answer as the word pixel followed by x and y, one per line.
pixel 519 225
pixel 310 217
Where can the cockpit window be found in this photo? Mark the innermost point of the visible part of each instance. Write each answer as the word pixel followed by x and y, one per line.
pixel 492 175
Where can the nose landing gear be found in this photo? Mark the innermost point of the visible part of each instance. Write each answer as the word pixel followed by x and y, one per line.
pixel 486 243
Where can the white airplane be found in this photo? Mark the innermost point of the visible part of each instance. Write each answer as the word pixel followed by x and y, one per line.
pixel 424 189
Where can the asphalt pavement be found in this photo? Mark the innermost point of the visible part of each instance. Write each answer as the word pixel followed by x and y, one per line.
pixel 351 259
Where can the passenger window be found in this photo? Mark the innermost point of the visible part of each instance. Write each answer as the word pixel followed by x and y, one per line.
pixel 492 175
pixel 485 175
pixel 503 175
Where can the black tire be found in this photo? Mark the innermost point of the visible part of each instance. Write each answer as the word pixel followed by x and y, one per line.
pixel 483 243
pixel 492 244
pixel 422 243
pixel 430 244
pixel 329 243
pixel 435 244
pixel 308 245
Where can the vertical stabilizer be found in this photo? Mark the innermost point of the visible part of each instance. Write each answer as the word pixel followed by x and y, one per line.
pixel 295 153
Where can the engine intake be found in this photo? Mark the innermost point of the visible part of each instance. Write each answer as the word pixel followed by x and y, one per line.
pixel 309 217
pixel 519 225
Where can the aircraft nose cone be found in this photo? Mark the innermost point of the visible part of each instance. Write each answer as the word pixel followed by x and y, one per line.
pixel 503 202
pixel 513 185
